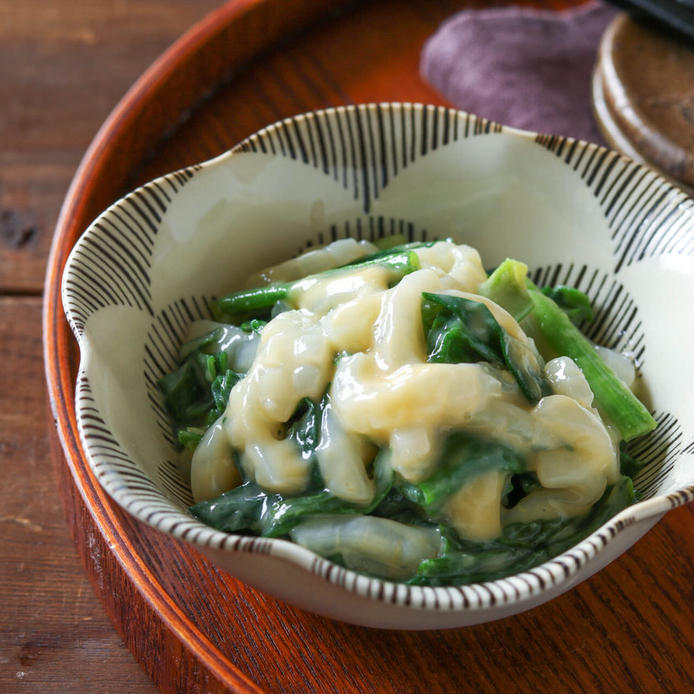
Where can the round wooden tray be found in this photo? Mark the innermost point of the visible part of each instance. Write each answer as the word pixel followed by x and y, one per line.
pixel 195 628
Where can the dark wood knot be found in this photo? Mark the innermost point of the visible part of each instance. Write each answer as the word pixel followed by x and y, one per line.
pixel 17 230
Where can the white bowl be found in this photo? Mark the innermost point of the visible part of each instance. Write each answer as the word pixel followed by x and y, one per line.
pixel 574 212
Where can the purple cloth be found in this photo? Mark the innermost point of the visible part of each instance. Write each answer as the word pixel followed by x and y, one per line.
pixel 530 69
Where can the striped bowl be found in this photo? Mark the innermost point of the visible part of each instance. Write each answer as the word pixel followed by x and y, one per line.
pixel 575 212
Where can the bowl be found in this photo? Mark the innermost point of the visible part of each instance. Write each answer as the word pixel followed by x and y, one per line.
pixel 575 212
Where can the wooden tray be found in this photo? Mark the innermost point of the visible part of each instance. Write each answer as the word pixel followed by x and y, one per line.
pixel 196 629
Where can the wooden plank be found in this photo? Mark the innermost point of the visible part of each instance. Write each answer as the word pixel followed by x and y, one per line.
pixel 63 67
pixel 54 635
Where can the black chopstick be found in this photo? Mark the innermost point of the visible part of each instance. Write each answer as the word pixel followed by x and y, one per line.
pixel 676 15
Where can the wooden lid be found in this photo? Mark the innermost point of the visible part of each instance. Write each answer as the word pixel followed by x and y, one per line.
pixel 643 93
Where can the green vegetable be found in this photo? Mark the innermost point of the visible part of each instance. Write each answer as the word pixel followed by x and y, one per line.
pixel 522 545
pixel 397 262
pixel 396 506
pixel 506 287
pixel 574 303
pixel 620 405
pixel 304 429
pixel 238 509
pixel 526 368
pixel 402 533
pixel 205 343
pixel 196 394
pixel 387 252
pixel 253 326
pixel 249 507
pixel 304 425
pixel 461 330
pixel 554 335
pixel 190 437
pixel 250 300
pixel 387 242
pixel 518 486
pixel 627 463
pixel 188 392
pixel 462 458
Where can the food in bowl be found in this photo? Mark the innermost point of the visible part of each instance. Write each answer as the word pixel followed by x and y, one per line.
pixel 405 414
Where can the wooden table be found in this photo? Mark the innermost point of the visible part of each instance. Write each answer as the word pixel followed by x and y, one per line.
pixel 63 66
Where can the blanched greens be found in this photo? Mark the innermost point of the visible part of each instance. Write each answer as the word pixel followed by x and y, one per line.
pixel 249 507
pixel 398 261
pixel 520 545
pixel 551 327
pixel 403 533
pixel 197 393
pixel 460 330
pixel 462 458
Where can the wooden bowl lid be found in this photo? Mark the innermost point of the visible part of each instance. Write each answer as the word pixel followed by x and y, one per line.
pixel 643 93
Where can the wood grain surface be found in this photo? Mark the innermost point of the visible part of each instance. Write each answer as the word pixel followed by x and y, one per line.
pixel 63 66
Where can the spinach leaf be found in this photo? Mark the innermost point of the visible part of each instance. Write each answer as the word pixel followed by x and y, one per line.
pixel 220 389
pixel 629 465
pixel 304 429
pixel 396 506
pixel 526 367
pixel 190 437
pixel 188 390
pixel 520 485
pixel 255 325
pixel 250 508
pixel 521 545
pixel 241 508
pixel 304 426
pixel 460 330
pixel 572 301
pixel 196 394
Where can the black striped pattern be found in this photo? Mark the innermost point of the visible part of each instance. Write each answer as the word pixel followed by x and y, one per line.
pixel 110 265
pixel 659 451
pixel 112 465
pixel 126 482
pixel 174 486
pixel 365 147
pixel 643 211
pixel 165 336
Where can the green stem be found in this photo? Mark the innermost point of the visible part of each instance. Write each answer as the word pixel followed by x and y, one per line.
pixel 555 334
pixel 398 263
pixel 613 398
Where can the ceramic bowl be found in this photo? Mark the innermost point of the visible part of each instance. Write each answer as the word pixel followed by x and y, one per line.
pixel 574 212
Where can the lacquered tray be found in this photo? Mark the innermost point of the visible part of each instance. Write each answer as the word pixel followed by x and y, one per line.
pixel 193 627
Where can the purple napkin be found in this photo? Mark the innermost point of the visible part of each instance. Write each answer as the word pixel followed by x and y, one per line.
pixel 530 69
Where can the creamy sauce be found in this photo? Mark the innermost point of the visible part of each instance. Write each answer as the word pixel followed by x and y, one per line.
pixel 383 392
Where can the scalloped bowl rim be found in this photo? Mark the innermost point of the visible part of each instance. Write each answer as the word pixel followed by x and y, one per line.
pixel 559 570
